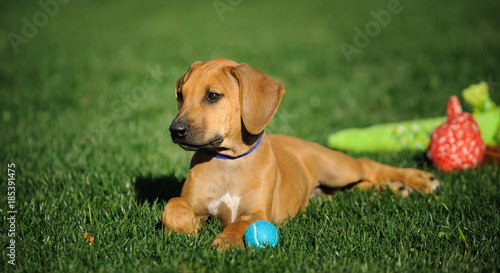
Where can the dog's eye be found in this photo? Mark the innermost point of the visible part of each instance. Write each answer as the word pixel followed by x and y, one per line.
pixel 213 97
pixel 180 98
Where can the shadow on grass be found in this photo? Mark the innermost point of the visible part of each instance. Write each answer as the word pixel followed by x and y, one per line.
pixel 162 188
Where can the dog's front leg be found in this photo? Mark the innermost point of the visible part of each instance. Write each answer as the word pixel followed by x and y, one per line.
pixel 178 216
pixel 232 236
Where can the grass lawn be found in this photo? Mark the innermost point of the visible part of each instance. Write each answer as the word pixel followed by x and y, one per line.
pixel 87 95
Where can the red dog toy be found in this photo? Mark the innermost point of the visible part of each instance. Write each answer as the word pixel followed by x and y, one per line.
pixel 456 144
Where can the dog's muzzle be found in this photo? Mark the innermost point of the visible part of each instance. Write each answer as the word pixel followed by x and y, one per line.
pixel 192 139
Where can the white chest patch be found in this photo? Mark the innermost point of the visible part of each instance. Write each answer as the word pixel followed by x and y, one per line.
pixel 232 202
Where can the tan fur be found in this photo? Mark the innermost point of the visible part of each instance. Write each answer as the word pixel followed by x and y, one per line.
pixel 276 180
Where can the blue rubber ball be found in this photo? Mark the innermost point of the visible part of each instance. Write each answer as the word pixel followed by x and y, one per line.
pixel 261 234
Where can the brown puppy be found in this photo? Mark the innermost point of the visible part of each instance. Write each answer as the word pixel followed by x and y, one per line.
pixel 239 173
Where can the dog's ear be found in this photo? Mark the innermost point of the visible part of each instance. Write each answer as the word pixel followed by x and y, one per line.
pixel 184 77
pixel 259 97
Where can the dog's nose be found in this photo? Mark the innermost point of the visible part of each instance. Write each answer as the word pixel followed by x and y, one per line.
pixel 179 129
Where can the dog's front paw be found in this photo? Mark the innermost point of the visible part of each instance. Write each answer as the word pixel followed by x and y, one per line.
pixel 400 188
pixel 178 216
pixel 226 241
pixel 421 180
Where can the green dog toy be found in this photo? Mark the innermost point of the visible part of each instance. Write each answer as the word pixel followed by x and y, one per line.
pixel 414 135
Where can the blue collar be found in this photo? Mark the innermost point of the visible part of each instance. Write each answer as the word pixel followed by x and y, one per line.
pixel 212 153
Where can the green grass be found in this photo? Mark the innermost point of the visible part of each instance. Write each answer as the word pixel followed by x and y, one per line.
pixel 93 153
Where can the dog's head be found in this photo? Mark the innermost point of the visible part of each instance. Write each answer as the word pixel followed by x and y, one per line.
pixel 223 106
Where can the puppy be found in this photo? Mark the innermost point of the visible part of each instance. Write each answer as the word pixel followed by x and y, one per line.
pixel 240 174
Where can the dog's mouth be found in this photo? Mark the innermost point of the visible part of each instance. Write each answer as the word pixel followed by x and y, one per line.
pixel 213 144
